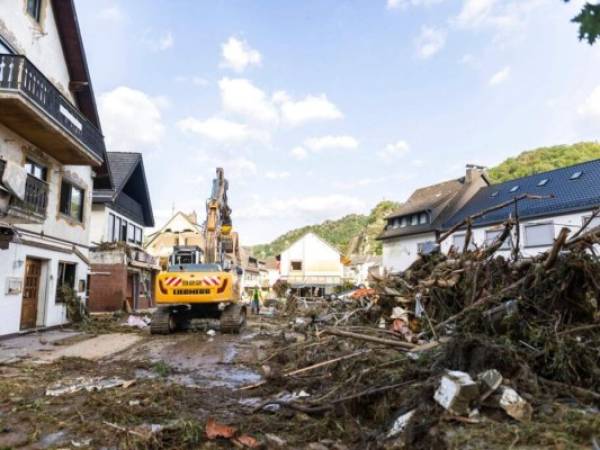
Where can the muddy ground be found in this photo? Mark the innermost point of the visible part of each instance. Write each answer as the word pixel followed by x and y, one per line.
pixel 169 386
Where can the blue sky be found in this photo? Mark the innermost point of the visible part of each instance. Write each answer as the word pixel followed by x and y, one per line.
pixel 321 108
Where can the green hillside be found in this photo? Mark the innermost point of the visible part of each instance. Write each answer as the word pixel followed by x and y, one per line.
pixel 543 159
pixel 356 233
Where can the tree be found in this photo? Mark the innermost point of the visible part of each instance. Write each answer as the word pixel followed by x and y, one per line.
pixel 589 22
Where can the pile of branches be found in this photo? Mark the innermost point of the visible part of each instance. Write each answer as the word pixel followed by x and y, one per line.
pixel 535 320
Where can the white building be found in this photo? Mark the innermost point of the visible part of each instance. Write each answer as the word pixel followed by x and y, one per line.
pixel 360 267
pixel 50 144
pixel 311 266
pixel 570 194
pixel 419 219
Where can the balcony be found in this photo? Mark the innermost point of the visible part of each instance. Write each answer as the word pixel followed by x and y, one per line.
pixel 34 108
pixel 32 209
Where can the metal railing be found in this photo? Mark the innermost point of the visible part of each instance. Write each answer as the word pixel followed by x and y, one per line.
pixel 36 197
pixel 18 74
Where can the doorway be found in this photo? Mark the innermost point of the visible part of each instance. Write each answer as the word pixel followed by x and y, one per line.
pixel 31 290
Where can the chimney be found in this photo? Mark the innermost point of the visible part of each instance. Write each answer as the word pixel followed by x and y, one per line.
pixel 473 172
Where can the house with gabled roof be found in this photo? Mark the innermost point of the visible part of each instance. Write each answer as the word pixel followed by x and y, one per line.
pixel 51 147
pixel 564 197
pixel 122 275
pixel 180 230
pixel 420 218
pixel 311 266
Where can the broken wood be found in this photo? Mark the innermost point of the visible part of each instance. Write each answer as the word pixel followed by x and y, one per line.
pixel 405 346
pixel 558 244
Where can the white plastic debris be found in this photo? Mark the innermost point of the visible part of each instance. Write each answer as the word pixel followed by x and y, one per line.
pixel 515 406
pixel 87 384
pixel 300 321
pixel 211 332
pixel 456 391
pixel 400 424
pixel 137 321
pixel 399 312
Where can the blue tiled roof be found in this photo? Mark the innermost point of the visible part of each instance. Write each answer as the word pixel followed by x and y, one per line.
pixel 569 195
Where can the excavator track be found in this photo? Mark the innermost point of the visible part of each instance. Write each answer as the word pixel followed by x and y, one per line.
pixel 233 319
pixel 163 322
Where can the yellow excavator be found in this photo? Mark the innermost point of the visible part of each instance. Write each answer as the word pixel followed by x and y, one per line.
pixel 203 283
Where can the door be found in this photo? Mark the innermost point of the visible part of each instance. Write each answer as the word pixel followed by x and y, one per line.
pixel 33 269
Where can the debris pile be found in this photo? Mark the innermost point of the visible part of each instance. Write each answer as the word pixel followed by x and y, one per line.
pixel 466 338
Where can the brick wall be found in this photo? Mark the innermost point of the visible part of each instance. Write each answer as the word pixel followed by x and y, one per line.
pixel 108 286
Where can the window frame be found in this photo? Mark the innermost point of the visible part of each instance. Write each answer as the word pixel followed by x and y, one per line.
pixel 292 266
pixel 36 13
pixel 33 165
pixel 506 245
pixel 526 243
pixel 60 278
pixel 111 227
pixel 462 246
pixel 69 201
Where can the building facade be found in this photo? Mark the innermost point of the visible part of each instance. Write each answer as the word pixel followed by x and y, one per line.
pixel 181 230
pixel 311 266
pixel 122 273
pixel 51 146
pixel 420 218
pixel 563 197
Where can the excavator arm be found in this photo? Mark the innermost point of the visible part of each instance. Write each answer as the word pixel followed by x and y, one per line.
pixel 221 242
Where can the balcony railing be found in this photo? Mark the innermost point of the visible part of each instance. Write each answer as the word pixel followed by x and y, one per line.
pixel 36 197
pixel 18 74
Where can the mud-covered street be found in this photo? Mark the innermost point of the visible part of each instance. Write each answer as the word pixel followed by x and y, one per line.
pixel 163 382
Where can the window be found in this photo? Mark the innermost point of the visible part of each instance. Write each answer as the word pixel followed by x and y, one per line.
pixel 414 219
pixel 593 224
pixel 576 175
pixel 296 265
pixel 423 218
pixel 123 231
pixel 130 232
pixel 138 236
pixel 403 222
pixel 33 9
pixel 395 223
pixel 110 235
pixel 514 188
pixel 71 201
pixel 539 235
pixel 65 278
pixel 492 235
pixel 458 242
pixel 37 170
pixel 543 182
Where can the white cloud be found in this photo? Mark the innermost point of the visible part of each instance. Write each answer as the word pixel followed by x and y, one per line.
pixel 242 97
pixel 199 81
pixel 331 142
pixel 474 13
pixel 221 130
pixel 402 4
pixel 299 153
pixel 238 55
pixel 131 119
pixel 312 107
pixel 112 13
pixel 396 150
pixel 311 207
pixel 590 108
pixel 500 76
pixel 430 41
pixel 275 175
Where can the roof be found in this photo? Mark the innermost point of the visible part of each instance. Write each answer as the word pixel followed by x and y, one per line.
pixel 129 179
pixel 568 195
pixel 152 236
pixel 428 198
pixel 432 199
pixel 77 66
pixel 319 238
